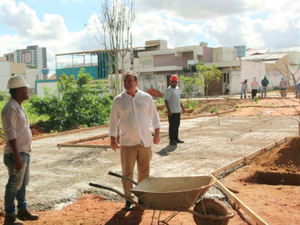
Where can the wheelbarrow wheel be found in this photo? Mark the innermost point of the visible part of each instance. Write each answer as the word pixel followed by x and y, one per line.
pixel 211 207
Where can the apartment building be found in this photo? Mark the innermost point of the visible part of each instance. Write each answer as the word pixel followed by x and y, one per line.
pixel 33 56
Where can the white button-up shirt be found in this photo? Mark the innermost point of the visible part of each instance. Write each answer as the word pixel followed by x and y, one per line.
pixel 16 126
pixel 172 95
pixel 133 115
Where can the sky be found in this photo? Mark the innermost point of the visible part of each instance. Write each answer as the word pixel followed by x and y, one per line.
pixel 64 26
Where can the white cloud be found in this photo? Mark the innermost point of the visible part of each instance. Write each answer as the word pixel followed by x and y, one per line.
pixel 192 10
pixel 26 23
pixel 253 23
pixel 153 26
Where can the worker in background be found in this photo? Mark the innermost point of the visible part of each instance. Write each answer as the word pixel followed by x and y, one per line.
pixel 174 106
pixel 244 88
pixel 264 85
pixel 227 88
pixel 282 87
pixel 254 87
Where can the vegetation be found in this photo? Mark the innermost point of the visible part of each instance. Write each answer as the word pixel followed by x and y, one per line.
pixel 189 84
pixel 214 110
pixel 83 102
pixel 255 99
pixel 192 104
pixel 289 72
pixel 112 32
pixel 4 96
pixel 210 74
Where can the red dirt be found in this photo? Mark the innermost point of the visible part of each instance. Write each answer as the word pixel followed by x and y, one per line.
pixel 278 201
pixel 154 93
pixel 91 209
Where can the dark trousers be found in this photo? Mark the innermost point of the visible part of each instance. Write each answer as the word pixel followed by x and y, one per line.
pixel 254 92
pixel 174 123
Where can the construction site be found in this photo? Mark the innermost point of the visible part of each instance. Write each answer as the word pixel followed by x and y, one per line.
pixel 252 151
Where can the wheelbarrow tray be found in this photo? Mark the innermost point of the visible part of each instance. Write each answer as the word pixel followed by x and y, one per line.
pixel 172 193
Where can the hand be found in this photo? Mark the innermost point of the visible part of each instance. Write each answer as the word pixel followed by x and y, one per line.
pixel 169 113
pixel 18 163
pixel 114 143
pixel 156 138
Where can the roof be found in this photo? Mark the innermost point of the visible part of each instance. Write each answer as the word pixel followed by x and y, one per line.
pixel 264 57
pixel 139 48
pixel 52 77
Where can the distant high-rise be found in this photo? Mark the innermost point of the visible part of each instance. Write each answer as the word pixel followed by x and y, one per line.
pixel 32 56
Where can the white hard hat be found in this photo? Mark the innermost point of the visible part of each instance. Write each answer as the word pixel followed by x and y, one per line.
pixel 16 82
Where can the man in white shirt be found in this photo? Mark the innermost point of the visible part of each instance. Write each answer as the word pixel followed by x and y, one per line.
pixel 174 105
pixel 17 150
pixel 133 111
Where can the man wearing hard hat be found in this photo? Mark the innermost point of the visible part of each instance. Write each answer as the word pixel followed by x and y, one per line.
pixel 174 106
pixel 17 150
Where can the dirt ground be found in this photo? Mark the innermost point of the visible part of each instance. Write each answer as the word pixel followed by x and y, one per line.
pixel 60 193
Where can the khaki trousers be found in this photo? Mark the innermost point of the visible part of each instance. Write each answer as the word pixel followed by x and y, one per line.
pixel 130 154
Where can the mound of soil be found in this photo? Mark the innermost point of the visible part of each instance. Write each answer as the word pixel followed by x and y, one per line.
pixel 284 159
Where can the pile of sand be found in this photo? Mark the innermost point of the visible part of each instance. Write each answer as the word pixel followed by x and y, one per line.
pixel 285 158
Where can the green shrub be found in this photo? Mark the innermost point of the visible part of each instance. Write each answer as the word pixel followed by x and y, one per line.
pixel 255 99
pixel 4 96
pixel 82 102
pixel 214 110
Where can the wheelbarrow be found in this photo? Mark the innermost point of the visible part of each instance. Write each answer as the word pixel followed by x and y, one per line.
pixel 177 194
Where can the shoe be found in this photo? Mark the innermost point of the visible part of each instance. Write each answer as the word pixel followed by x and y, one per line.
pixel 128 206
pixel 26 215
pixel 179 141
pixel 172 143
pixel 12 220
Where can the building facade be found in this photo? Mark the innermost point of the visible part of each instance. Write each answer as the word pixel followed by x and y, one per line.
pixel 33 56
pixel 155 63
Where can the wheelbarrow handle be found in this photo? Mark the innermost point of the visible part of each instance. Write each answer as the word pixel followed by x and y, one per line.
pixel 120 176
pixel 119 193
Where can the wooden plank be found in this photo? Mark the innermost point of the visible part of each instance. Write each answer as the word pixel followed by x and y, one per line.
pixel 86 139
pixel 74 143
pixel 248 157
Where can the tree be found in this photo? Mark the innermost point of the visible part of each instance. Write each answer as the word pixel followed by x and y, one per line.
pixel 113 33
pixel 189 84
pixel 289 72
pixel 210 74
pixel 83 102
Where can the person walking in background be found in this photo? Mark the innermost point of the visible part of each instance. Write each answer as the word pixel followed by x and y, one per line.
pixel 17 151
pixel 133 111
pixel 227 88
pixel 298 90
pixel 264 85
pixel 282 87
pixel 174 106
pixel 244 88
pixel 254 87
